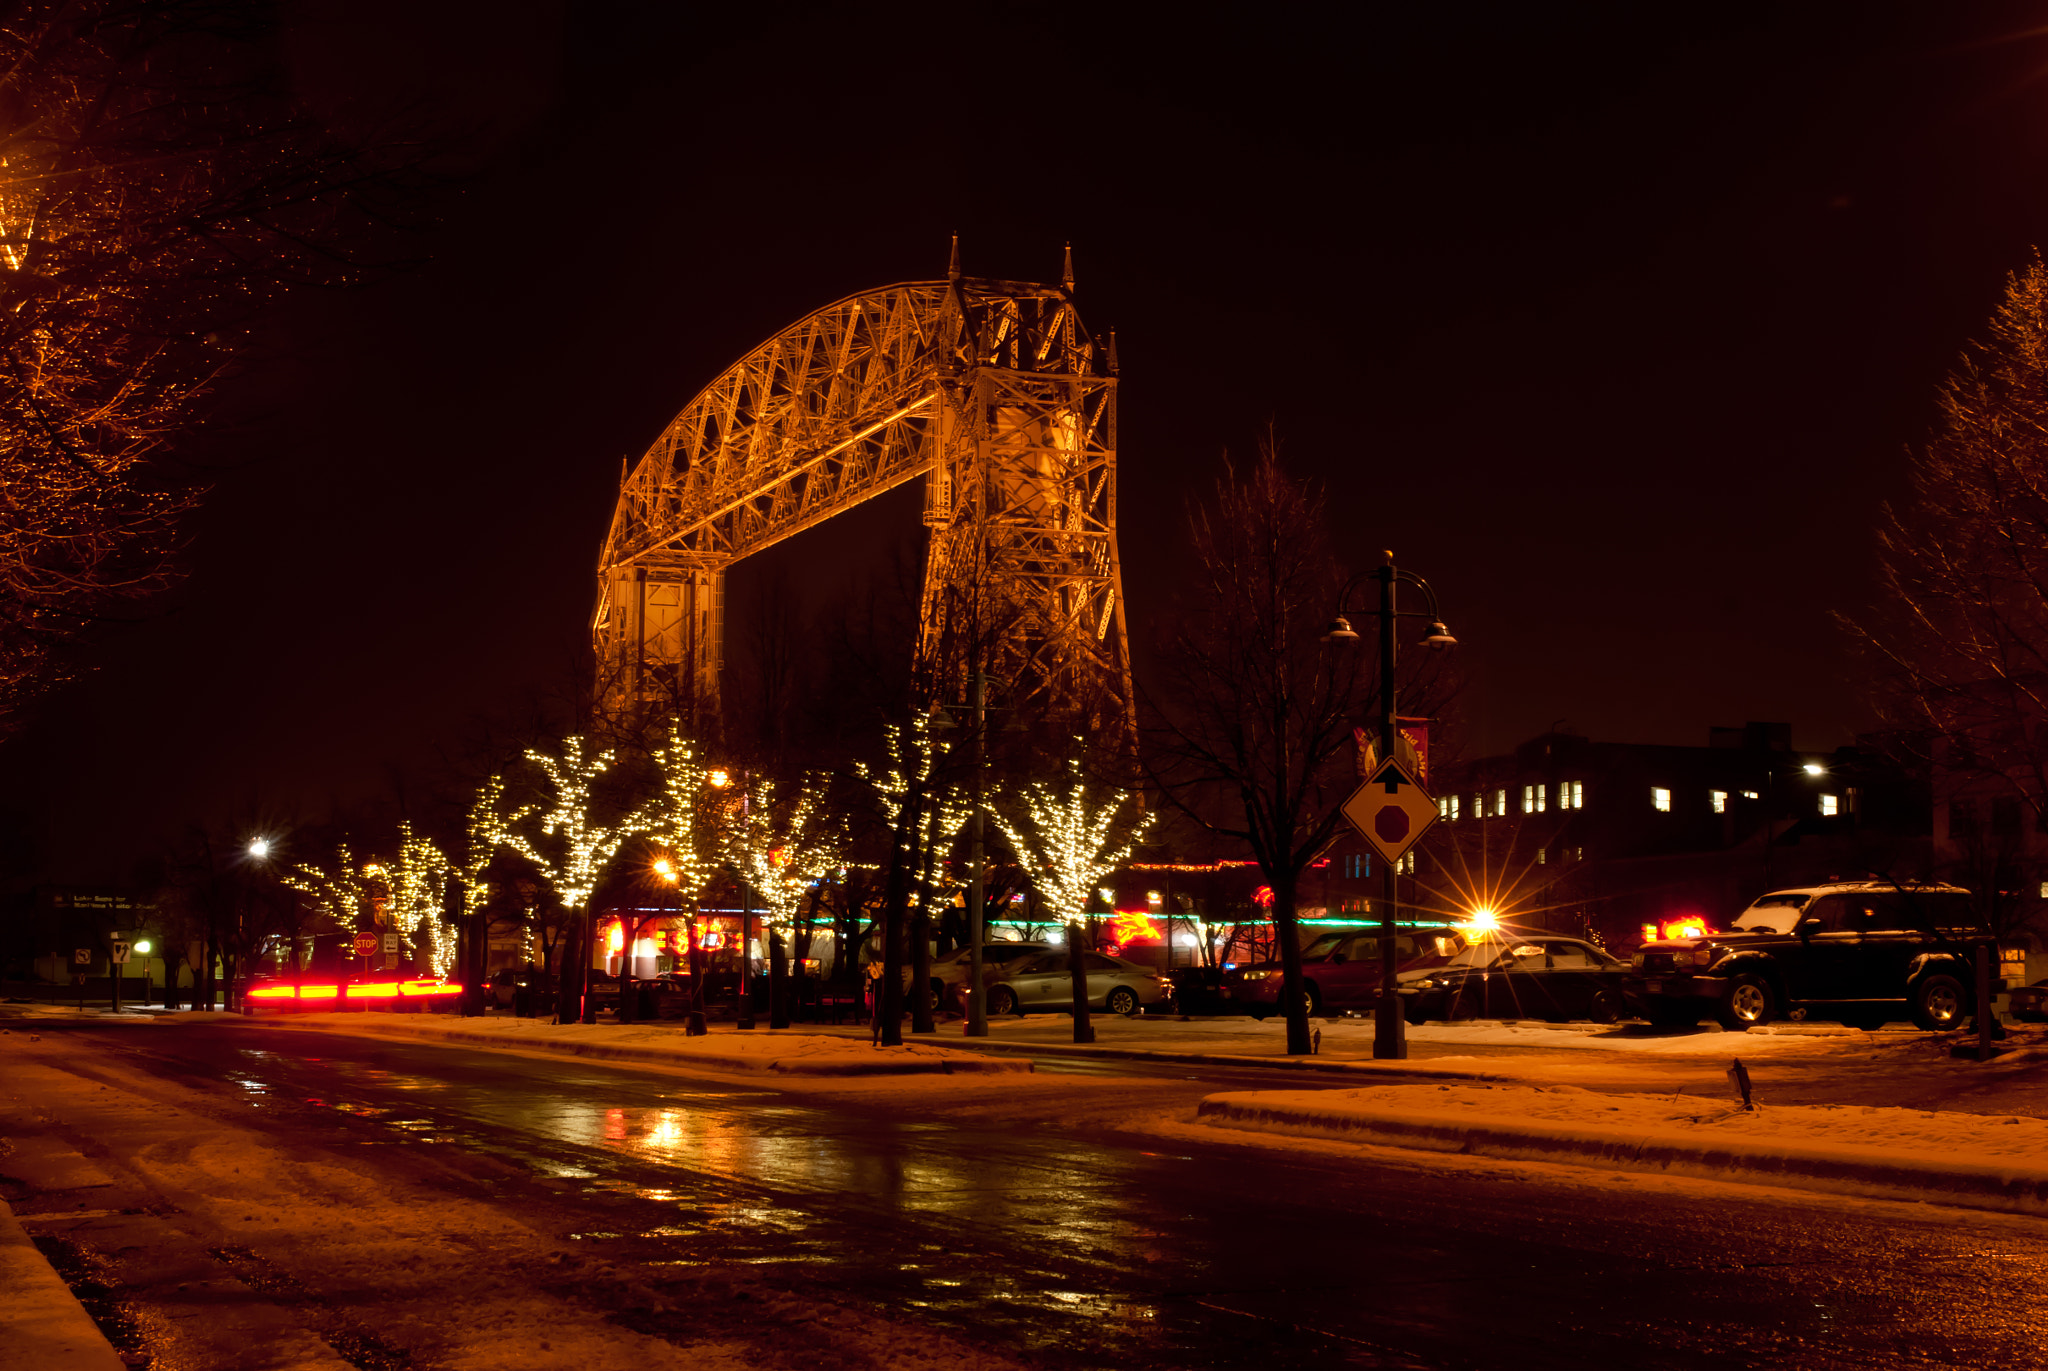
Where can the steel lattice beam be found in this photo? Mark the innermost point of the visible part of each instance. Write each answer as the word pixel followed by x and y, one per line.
pixel 992 390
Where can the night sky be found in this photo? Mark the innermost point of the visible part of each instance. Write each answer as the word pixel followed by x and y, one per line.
pixel 1614 321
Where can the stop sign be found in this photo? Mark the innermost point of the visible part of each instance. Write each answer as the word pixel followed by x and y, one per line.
pixel 366 944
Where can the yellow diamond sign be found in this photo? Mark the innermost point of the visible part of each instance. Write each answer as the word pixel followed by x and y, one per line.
pixel 1390 810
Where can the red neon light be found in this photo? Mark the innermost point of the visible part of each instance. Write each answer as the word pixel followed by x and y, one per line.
pixel 1134 926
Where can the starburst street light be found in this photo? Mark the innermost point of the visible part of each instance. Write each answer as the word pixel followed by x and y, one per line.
pixel 259 848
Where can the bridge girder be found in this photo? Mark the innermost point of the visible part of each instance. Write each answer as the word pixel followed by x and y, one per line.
pixel 991 390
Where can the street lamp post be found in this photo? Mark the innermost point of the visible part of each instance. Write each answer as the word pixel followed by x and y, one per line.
pixel 1390 1030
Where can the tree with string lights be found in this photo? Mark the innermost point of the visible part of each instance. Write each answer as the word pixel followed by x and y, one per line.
pixel 337 892
pixel 684 825
pixel 582 847
pixel 415 882
pixel 780 852
pixel 1065 843
pixel 902 789
pixel 486 829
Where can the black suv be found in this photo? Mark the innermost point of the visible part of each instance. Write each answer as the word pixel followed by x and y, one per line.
pixel 1863 953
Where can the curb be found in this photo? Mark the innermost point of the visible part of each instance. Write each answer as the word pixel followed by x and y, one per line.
pixel 1840 1169
pixel 42 1324
pixel 598 1051
pixel 1337 1066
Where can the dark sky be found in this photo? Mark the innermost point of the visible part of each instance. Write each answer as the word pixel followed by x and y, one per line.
pixel 1612 320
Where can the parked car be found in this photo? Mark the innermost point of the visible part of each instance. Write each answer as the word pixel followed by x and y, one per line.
pixel 949 973
pixel 1045 982
pixel 1860 952
pixel 1340 969
pixel 2029 1003
pixel 1538 977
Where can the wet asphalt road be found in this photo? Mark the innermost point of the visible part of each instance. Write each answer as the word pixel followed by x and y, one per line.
pixel 1107 1248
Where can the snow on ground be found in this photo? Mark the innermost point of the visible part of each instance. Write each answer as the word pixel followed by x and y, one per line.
pixel 1896 1132
pixel 724 1048
pixel 1345 1039
pixel 1883 1151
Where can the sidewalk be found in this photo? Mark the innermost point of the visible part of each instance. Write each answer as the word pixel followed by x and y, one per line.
pixel 42 1324
pixel 1979 1161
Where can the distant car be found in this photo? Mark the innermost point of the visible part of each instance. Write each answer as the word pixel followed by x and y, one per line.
pixel 1860 952
pixel 1045 982
pixel 2029 1003
pixel 1340 969
pixel 1539 977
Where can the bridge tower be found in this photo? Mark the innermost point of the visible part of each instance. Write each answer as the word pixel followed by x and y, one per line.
pixel 994 393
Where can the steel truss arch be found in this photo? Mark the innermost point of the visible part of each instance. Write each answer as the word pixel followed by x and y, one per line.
pixel 993 391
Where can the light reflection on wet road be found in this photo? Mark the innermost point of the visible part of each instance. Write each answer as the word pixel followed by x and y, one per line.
pixel 1111 1250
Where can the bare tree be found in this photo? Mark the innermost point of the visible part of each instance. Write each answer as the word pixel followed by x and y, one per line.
pixel 1959 638
pixel 161 184
pixel 1252 734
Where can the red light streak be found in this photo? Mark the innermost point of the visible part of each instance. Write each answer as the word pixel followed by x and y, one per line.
pixel 366 990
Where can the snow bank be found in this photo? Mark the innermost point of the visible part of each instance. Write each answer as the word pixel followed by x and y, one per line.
pixel 1985 1161
pixel 723 1049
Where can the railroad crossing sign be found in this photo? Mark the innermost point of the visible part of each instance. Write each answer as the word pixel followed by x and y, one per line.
pixel 118 953
pixel 1390 810
pixel 366 944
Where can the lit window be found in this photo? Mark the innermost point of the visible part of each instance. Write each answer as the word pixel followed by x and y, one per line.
pixel 1578 854
pixel 1542 792
pixel 1571 794
pixel 1532 799
pixel 1443 806
pixel 1719 799
pixel 1542 856
pixel 1829 806
pixel 1660 799
pixel 1751 795
pixel 1407 864
pixel 1454 806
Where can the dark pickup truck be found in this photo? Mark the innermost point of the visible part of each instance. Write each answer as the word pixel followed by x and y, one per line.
pixel 1862 953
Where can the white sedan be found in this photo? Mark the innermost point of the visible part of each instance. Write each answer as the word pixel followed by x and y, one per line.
pixel 1046 983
